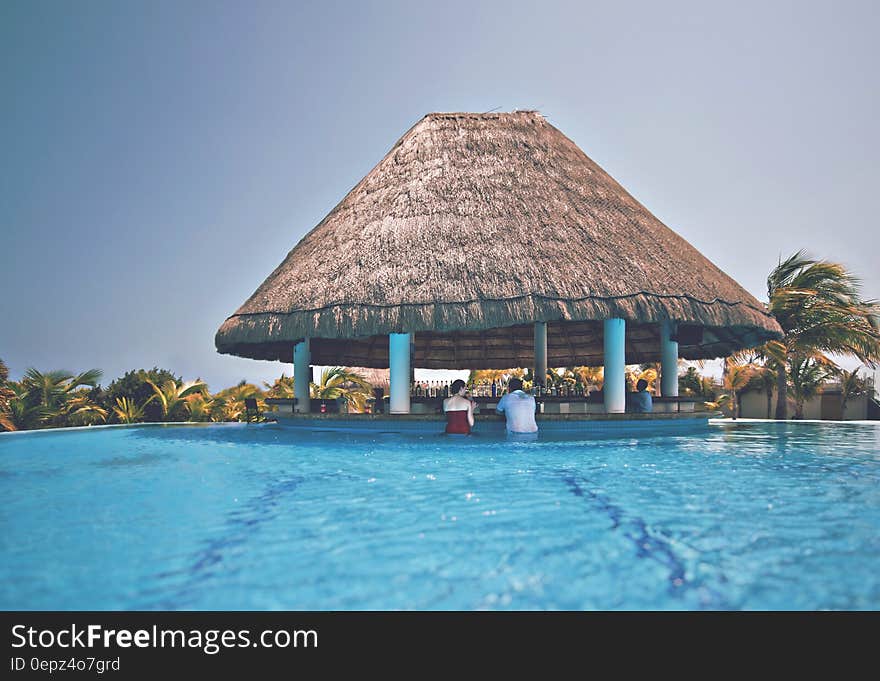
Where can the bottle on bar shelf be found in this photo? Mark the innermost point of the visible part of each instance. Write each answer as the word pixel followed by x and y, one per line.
pixel 494 389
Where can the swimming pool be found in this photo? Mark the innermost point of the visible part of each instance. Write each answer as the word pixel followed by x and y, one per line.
pixel 751 516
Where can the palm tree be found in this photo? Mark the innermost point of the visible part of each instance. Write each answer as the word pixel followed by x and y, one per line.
pixel 807 373
pixel 46 397
pixel 171 394
pixel 280 387
pixel 337 382
pixel 765 379
pixel 851 385
pixel 736 377
pixel 7 394
pixel 202 406
pixel 80 410
pixel 589 377
pixel 24 413
pixel 127 411
pixel 232 406
pixel 478 376
pixel 819 307
pixel 560 378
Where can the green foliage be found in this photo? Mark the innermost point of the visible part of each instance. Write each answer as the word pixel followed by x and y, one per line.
pixel 128 411
pixel 52 399
pixel 806 374
pixel 852 385
pixel 232 407
pixel 135 387
pixel 736 378
pixel 690 383
pixel 24 413
pixel 6 395
pixel 337 382
pixel 171 397
pixel 203 407
pixel 81 410
pixel 818 304
pixel 282 388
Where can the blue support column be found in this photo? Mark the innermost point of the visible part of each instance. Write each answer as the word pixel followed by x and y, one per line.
pixel 541 353
pixel 399 368
pixel 302 376
pixel 668 360
pixel 614 388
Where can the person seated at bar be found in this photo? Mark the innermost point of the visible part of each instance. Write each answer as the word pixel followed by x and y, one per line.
pixel 518 408
pixel 459 410
pixel 641 401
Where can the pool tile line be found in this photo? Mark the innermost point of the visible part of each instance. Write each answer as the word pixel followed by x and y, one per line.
pixel 647 543
pixel 242 522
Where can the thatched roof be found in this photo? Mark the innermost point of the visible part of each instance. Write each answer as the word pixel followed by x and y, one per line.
pixel 470 229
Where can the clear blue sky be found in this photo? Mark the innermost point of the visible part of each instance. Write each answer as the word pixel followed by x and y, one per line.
pixel 159 159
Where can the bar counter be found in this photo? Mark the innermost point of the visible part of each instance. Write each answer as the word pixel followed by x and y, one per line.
pixel 550 408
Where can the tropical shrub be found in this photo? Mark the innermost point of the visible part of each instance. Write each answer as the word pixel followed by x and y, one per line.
pixel 171 397
pixel 135 386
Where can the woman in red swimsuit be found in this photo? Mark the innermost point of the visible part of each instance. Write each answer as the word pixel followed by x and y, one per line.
pixel 459 410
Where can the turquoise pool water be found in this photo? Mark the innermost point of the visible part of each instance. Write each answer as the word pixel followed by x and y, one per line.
pixel 753 516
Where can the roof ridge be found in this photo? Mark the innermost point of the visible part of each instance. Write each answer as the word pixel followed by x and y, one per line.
pixel 486 114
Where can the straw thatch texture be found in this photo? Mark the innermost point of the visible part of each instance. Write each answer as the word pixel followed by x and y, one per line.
pixel 477 222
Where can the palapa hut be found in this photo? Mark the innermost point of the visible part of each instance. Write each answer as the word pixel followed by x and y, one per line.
pixel 492 241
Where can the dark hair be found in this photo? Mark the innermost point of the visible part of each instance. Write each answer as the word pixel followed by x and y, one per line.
pixel 514 384
pixel 457 385
pixel 641 385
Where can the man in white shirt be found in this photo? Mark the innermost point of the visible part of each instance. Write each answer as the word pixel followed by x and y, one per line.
pixel 519 408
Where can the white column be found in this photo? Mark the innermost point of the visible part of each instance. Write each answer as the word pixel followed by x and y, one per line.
pixel 614 388
pixel 399 366
pixel 668 361
pixel 302 376
pixel 541 352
